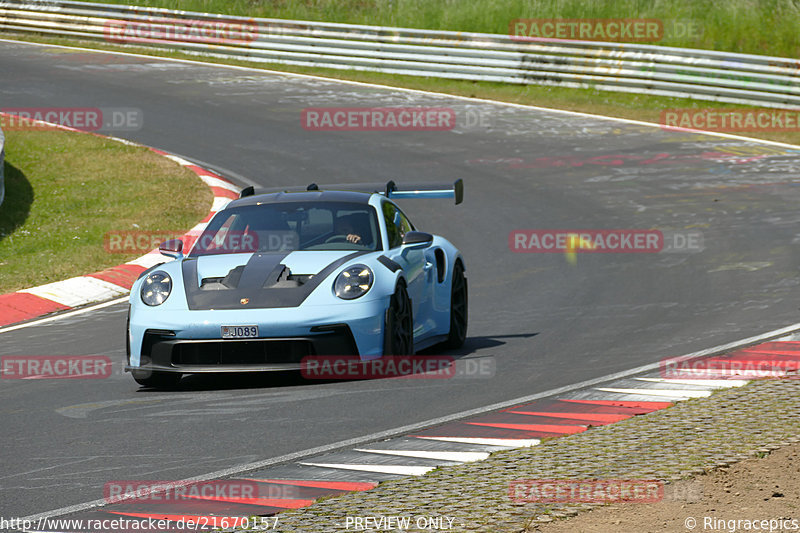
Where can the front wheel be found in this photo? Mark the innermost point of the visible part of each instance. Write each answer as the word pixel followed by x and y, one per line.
pixel 458 309
pixel 399 331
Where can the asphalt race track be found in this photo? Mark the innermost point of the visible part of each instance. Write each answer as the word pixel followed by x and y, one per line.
pixel 546 323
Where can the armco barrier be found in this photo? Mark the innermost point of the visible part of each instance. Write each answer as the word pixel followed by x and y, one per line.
pixel 628 67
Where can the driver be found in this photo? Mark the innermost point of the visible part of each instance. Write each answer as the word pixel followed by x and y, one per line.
pixel 344 226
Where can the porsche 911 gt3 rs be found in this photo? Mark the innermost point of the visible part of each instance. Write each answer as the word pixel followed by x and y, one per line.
pixel 278 277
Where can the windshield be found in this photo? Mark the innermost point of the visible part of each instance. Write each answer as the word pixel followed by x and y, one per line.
pixel 283 227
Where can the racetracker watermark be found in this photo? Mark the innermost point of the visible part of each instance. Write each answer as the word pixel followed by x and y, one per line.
pixel 55 367
pixel 126 491
pixel 605 29
pixel 732 120
pixel 103 523
pixel 626 30
pixel 80 118
pixel 720 368
pixel 223 242
pixel 390 366
pixel 215 31
pixel 351 367
pixel 378 118
pixel 603 241
pixel 130 242
pixel 586 491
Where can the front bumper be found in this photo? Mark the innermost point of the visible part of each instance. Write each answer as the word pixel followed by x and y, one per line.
pixel 190 342
pixel 163 352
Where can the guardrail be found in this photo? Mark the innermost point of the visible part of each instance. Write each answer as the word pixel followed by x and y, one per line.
pixel 637 68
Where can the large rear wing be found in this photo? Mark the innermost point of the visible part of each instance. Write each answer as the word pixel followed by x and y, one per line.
pixel 390 189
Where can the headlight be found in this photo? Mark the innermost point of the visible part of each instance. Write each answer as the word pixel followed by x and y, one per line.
pixel 156 288
pixel 353 282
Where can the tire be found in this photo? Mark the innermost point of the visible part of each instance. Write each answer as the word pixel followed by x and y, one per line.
pixel 399 330
pixel 458 309
pixel 156 380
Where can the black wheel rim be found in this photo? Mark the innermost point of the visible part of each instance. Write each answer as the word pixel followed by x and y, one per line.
pixel 401 321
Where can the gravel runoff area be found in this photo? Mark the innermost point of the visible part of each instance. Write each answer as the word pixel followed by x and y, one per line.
pixel 691 438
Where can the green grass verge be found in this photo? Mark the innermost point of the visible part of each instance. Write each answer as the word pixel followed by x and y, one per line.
pixel 65 190
pixel 749 26
pixel 613 104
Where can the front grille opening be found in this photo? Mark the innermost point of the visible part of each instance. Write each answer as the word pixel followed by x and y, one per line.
pixel 236 352
pixel 152 337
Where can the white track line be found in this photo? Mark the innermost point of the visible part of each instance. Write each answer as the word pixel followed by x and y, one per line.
pixel 715 383
pixel 458 457
pixel 504 443
pixel 378 469
pixel 676 394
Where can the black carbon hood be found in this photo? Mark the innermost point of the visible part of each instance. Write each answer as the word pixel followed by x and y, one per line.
pixel 264 282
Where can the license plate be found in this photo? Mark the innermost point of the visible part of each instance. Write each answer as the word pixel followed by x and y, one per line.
pixel 239 332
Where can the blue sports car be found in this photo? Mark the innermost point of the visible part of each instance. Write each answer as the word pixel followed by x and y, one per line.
pixel 278 277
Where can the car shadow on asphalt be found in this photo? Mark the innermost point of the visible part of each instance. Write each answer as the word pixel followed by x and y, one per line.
pixel 471 350
pixel 474 344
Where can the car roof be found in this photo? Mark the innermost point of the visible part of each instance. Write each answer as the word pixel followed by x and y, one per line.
pixel 303 196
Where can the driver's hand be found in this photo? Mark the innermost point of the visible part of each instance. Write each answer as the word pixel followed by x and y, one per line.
pixel 355 239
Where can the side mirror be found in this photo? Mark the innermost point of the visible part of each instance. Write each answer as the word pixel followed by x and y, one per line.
pixel 417 239
pixel 171 248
